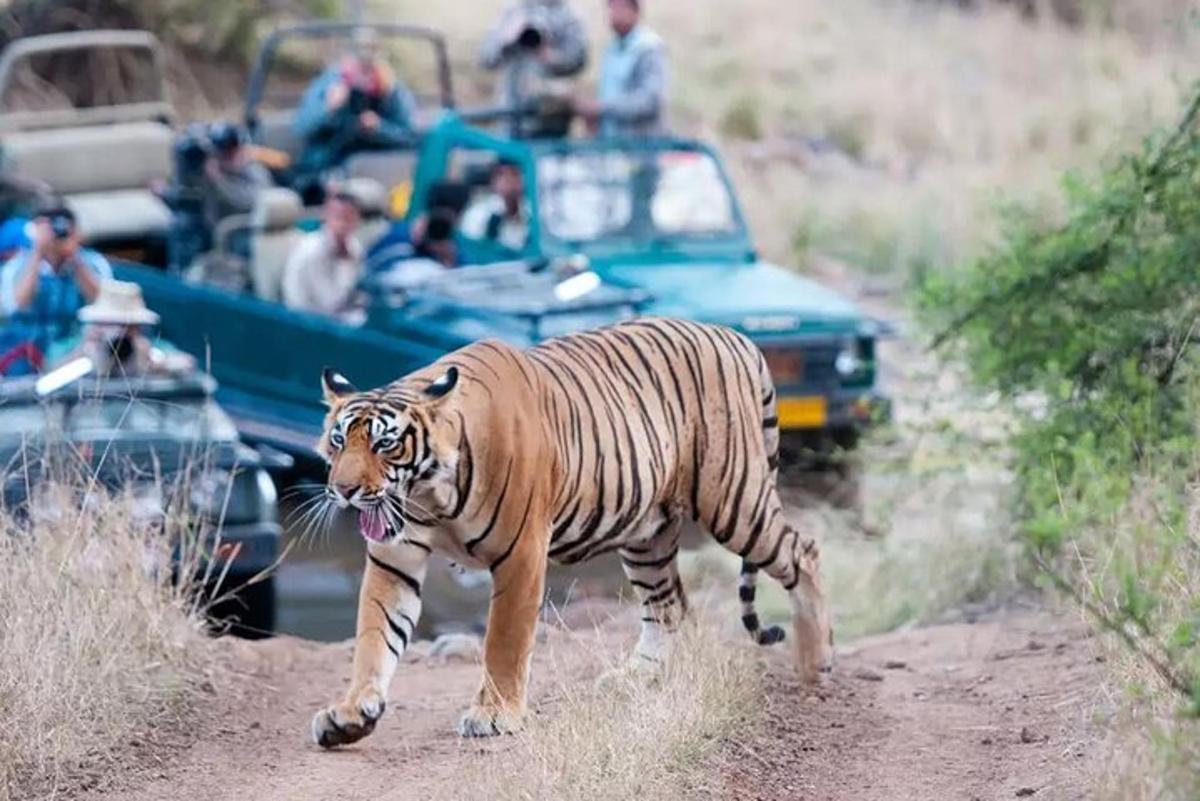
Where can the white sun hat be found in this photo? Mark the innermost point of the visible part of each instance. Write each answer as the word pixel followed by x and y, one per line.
pixel 118 303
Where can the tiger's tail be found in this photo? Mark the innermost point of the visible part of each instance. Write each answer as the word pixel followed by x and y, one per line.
pixel 749 579
pixel 746 590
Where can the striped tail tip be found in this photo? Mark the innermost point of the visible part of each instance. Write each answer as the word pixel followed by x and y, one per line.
pixel 770 635
pixel 746 592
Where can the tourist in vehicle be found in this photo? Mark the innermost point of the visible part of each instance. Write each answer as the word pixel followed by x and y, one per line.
pixel 232 179
pixel 323 270
pixel 43 286
pixel 534 43
pixel 432 236
pixel 499 220
pixel 114 340
pixel 353 106
pixel 631 99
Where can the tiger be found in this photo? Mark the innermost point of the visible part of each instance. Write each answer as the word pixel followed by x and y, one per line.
pixel 593 442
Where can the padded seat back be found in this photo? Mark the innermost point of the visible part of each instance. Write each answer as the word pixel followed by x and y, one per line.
pixel 100 158
pixel 273 220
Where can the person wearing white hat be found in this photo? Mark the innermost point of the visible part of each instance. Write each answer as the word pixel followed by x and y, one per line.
pixel 113 338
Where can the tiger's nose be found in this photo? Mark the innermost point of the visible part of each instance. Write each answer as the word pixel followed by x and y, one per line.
pixel 345 489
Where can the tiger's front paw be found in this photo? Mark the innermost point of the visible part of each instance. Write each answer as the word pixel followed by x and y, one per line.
pixel 345 723
pixel 488 721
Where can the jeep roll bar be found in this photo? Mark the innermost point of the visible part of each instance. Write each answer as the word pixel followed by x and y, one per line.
pixel 25 48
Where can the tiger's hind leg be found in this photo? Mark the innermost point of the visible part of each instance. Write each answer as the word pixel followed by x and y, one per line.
pixel 759 533
pixel 650 565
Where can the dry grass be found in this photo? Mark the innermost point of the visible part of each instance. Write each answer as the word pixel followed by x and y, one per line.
pixel 98 649
pixel 623 736
pixel 1155 739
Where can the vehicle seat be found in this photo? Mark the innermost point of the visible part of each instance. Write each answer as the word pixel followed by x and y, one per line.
pixel 389 168
pixel 273 220
pixel 104 172
pixel 372 199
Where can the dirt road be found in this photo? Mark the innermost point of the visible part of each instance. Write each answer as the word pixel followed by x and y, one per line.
pixel 995 709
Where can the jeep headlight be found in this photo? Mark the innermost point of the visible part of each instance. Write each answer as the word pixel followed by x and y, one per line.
pixel 209 493
pixel 228 497
pixel 849 361
pixel 853 359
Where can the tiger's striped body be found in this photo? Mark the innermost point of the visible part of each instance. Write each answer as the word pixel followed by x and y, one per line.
pixel 595 442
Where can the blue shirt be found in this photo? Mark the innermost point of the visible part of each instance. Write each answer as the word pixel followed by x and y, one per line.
pixel 331 136
pixel 633 84
pixel 51 313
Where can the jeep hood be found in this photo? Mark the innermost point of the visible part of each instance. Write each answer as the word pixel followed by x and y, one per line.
pixel 757 298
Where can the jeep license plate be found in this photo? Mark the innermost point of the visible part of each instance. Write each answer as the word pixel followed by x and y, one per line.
pixel 810 412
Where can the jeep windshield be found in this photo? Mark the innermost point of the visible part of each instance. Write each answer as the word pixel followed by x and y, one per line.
pixel 631 195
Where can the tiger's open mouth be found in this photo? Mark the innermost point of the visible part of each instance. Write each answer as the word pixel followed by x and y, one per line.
pixel 374 525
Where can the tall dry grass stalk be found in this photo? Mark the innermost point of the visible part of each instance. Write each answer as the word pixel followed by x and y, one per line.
pixel 97 648
pixel 625 735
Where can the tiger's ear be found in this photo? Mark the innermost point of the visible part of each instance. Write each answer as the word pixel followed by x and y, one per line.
pixel 335 386
pixel 441 386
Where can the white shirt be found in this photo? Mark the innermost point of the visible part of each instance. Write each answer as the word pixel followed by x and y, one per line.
pixel 316 279
pixel 512 233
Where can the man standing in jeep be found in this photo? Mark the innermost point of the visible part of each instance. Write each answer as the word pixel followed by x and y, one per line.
pixel 533 42
pixel 632 96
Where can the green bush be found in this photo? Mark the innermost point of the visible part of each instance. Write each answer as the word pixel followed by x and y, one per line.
pixel 1089 326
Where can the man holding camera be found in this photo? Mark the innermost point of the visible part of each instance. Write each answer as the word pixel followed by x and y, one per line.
pixel 113 337
pixel 233 178
pixel 534 41
pixel 43 286
pixel 355 106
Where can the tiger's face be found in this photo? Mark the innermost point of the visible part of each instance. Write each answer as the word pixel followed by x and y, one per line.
pixel 385 454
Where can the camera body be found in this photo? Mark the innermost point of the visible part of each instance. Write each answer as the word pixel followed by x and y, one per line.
pixel 61 225
pixel 360 101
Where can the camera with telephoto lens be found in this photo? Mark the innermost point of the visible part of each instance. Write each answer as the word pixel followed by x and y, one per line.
pixel 359 101
pixel 533 32
pixel 122 348
pixel 530 38
pixel 191 151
